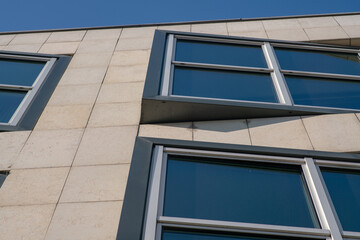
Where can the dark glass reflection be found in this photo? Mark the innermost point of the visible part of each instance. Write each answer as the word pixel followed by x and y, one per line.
pixel 19 72
pixel 9 102
pixel 220 53
pixel 324 92
pixel 344 189
pixel 223 84
pixel 318 61
pixel 221 190
pixel 3 176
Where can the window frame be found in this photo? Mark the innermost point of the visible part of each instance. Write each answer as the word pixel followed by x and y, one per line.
pixel 148 151
pixel 158 105
pixel 37 96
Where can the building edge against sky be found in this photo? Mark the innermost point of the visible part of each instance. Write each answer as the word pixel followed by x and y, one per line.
pixel 68 175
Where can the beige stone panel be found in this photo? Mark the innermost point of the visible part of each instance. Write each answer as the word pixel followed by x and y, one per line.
pixel 31 48
pixel 86 60
pixel 85 221
pixel 66 36
pixel 335 133
pixel 25 222
pixel 326 33
pixel 5 39
pixel 138 32
pixel 250 34
pixel 285 132
pixel 212 28
pixel 230 131
pixel 358 115
pixel 10 145
pixel 247 26
pixel 33 186
pixel 115 114
pixel 96 183
pixel 182 28
pixel 352 31
pixel 134 44
pixel 355 42
pixel 131 73
pixel 133 57
pixel 30 38
pixel 316 22
pixel 109 145
pixel 64 117
pixel 182 131
pixel 59 48
pixel 74 94
pixel 348 20
pixel 102 34
pixel 281 24
pixel 2 47
pixel 289 34
pixel 340 42
pixel 121 92
pixel 103 46
pixel 53 148
pixel 78 76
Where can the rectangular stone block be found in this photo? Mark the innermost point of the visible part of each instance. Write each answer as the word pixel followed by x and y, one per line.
pixel 109 145
pixel 250 34
pixel 134 57
pixel 103 46
pixel 316 22
pixel 348 20
pixel 326 33
pixel 75 94
pixel 6 39
pixel 83 76
pixel 30 38
pixel 33 186
pixel 230 131
pixel 134 44
pixel 121 92
pixel 10 145
pixel 102 34
pixel 29 48
pixel 352 31
pixel 59 48
pixel 245 26
pixel 90 60
pixel 212 28
pixel 138 32
pixel 181 131
pixel 53 148
pixel 130 73
pixel 66 36
pixel 181 28
pixel 282 24
pixel 289 35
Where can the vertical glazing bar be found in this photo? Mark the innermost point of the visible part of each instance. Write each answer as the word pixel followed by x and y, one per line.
pixel 165 81
pixel 153 195
pixel 322 204
pixel 278 78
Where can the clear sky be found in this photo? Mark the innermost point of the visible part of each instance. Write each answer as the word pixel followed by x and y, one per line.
pixel 18 15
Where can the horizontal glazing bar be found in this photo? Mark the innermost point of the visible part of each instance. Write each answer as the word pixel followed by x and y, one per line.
pixel 322 75
pixel 15 87
pixel 317 48
pixel 244 226
pixel 222 67
pixel 347 165
pixel 219 40
pixel 351 235
pixel 234 156
pixel 20 57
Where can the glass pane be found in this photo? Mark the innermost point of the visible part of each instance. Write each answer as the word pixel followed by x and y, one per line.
pixel 223 84
pixel 324 92
pixel 318 61
pixel 220 53
pixel 9 102
pixel 241 192
pixel 19 72
pixel 2 178
pixel 344 189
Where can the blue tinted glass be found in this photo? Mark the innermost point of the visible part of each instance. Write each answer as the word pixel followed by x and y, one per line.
pixel 318 61
pixel 223 84
pixel 2 178
pixel 344 189
pixel 19 72
pixel 219 190
pixel 9 102
pixel 324 92
pixel 220 53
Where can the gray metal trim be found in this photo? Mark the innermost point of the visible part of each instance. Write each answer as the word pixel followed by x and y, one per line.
pixel 15 87
pixel 222 67
pixel 165 83
pixel 316 48
pixel 219 40
pixel 321 75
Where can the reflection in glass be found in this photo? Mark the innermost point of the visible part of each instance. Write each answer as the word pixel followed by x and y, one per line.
pixel 2 177
pixel 9 102
pixel 19 72
pixel 324 92
pixel 220 53
pixel 223 84
pixel 344 189
pixel 218 189
pixel 318 61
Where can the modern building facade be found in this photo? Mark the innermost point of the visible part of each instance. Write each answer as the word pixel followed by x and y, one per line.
pixel 231 129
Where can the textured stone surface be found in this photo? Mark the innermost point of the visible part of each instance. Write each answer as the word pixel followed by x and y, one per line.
pixel 30 38
pixel 5 39
pixel 315 22
pixel 74 94
pixel 66 36
pixel 182 131
pixel 326 33
pixel 104 46
pixel 121 92
pixel 30 48
pixel 10 145
pixel 59 48
pixel 132 73
pixel 288 34
pixel 212 28
pixel 134 44
pixel 102 34
pixel 134 57
pixel 76 76
pixel 90 60
pixel 182 28
pixel 138 32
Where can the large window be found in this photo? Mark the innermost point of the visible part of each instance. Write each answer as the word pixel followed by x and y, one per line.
pixel 197 192
pixel 255 75
pixel 26 83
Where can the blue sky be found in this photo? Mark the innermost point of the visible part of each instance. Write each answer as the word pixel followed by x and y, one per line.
pixel 18 15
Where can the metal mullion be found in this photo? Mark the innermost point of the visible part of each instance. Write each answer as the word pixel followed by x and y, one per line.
pixel 280 85
pixel 220 40
pixel 222 67
pixel 166 77
pixel 15 87
pixel 246 227
pixel 320 199
pixel 319 48
pixel 321 75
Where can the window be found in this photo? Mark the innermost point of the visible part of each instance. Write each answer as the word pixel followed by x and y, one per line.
pixel 246 78
pixel 195 190
pixel 26 83
pixel 3 175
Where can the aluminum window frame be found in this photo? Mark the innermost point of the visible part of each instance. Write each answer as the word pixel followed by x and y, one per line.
pixel 37 95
